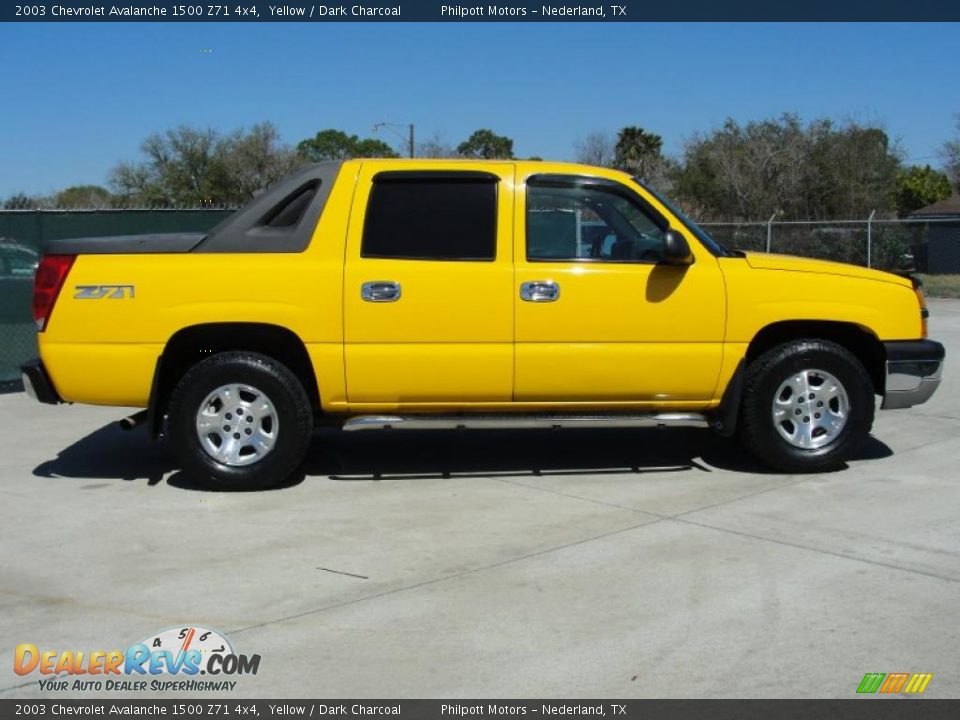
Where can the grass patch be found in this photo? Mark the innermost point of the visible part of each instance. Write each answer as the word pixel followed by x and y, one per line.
pixel 941 286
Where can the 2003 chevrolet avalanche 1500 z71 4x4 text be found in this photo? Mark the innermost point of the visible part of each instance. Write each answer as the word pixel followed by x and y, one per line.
pixel 441 294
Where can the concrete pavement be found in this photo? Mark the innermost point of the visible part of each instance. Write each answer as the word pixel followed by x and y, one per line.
pixel 491 564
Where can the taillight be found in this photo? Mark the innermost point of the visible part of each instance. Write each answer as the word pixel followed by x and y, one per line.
pixel 51 274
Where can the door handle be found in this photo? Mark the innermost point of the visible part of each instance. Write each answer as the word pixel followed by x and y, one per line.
pixel 540 291
pixel 380 291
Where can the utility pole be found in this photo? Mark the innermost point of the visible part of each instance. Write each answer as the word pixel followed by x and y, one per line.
pixel 411 145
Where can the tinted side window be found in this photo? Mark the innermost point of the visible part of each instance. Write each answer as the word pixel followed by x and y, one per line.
pixel 447 217
pixel 17 262
pixel 291 209
pixel 577 222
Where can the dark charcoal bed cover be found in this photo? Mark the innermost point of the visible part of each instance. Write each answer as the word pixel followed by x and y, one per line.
pixel 246 230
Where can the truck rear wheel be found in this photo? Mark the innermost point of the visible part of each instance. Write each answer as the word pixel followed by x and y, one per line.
pixel 240 421
pixel 807 406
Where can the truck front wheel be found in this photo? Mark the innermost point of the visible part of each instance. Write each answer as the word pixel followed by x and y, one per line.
pixel 240 421
pixel 807 406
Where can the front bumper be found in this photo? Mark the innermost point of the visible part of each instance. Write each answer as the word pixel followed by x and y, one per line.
pixel 914 368
pixel 37 383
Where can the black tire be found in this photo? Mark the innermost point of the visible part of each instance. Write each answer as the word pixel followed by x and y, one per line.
pixel 292 414
pixel 758 428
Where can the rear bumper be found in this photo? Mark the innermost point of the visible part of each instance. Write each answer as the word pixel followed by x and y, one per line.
pixel 914 369
pixel 37 383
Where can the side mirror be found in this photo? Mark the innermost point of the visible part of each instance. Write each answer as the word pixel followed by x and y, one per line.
pixel 676 250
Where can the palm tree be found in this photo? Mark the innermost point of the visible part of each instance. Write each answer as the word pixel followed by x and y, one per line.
pixel 638 151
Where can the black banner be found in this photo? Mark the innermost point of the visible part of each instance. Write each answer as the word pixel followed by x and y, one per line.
pixel 859 709
pixel 466 11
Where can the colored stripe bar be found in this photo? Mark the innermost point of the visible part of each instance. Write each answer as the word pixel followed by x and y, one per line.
pixel 894 683
pixel 918 683
pixel 871 682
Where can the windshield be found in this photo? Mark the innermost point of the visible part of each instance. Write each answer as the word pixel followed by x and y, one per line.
pixel 711 244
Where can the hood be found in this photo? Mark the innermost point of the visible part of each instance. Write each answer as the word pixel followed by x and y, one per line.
pixel 764 261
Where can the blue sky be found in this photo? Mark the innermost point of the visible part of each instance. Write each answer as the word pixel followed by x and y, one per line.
pixel 80 97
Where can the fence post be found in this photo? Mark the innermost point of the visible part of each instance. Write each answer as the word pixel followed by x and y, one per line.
pixel 41 245
pixel 770 230
pixel 870 237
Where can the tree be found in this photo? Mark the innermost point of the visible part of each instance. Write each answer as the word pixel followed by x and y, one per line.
pixel 333 144
pixel 917 187
pixel 202 166
pixel 435 147
pixel 815 171
pixel 183 165
pixel 864 168
pixel 951 157
pixel 373 148
pixel 190 162
pixel 597 148
pixel 257 159
pixel 83 196
pixel 21 201
pixel 138 183
pixel 487 145
pixel 326 145
pixel 638 152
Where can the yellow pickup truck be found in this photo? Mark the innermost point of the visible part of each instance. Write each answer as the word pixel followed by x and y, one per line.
pixel 394 294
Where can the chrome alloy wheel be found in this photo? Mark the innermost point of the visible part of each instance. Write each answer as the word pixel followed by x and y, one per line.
pixel 237 425
pixel 810 409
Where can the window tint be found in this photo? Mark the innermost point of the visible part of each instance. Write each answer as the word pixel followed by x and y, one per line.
pixel 702 235
pixel 583 222
pixel 447 216
pixel 17 262
pixel 291 209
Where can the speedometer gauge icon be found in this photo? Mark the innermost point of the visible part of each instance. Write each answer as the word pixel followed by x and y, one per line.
pixel 180 640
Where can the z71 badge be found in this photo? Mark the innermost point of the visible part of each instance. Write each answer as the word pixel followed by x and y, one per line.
pixel 97 292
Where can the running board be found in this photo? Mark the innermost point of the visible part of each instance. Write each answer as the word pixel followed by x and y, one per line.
pixel 512 421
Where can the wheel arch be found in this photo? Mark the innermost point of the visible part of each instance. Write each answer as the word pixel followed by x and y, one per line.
pixel 191 344
pixel 861 341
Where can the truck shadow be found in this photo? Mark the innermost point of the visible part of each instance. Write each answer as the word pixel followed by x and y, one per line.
pixel 110 453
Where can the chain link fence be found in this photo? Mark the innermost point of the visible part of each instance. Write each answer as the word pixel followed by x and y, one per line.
pixel 931 245
pixel 23 237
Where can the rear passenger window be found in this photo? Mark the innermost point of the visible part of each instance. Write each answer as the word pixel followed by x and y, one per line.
pixel 431 216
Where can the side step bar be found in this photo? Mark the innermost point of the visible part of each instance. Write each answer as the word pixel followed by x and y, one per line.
pixel 507 420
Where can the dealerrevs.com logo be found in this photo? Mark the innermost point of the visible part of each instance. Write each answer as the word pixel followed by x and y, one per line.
pixel 169 660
